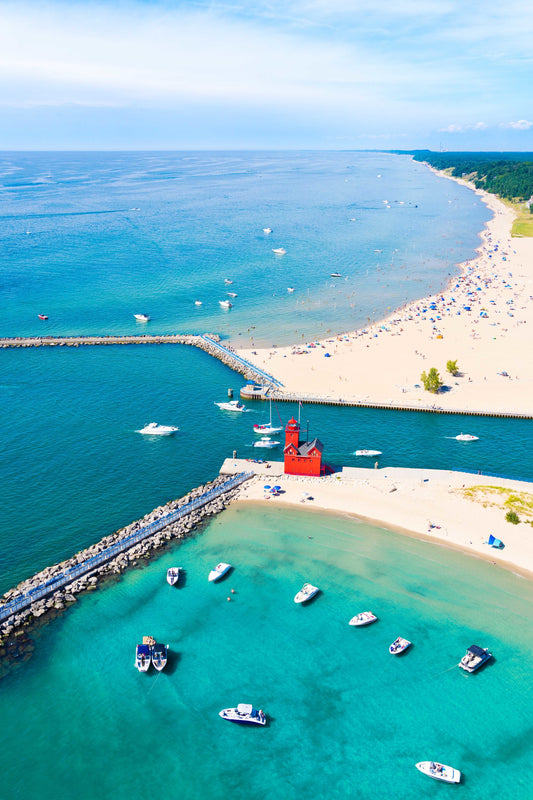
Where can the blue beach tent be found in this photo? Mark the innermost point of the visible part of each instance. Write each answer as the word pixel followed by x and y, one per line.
pixel 493 542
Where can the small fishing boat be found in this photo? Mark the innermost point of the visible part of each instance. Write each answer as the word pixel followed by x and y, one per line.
pixel 368 453
pixel 227 281
pixel 306 593
pixel 267 230
pixel 231 294
pixel 474 657
pixel 232 405
pixel 142 657
pixel 336 275
pixel 439 771
pixel 197 302
pixel 142 317
pixel 42 316
pixel 290 289
pixel 159 654
pixel 173 575
pixel 244 713
pixel 399 645
pixel 225 304
pixel 218 571
pixel 279 251
pixel 467 437
pixel 364 618
pixel 153 429
pixel 266 441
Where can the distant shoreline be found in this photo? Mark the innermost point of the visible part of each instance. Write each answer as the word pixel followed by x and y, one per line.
pixel 481 320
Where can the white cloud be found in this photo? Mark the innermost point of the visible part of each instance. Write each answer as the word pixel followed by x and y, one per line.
pixel 469 126
pixel 519 125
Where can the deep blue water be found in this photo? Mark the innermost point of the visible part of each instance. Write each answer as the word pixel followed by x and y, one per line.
pixel 73 468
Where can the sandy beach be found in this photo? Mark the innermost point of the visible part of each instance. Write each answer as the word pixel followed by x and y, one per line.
pixel 454 509
pixel 483 321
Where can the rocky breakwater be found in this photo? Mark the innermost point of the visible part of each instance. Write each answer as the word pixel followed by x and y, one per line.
pixel 14 641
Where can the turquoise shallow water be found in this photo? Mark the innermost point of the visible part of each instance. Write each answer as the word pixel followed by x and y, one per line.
pixel 73 468
pixel 346 719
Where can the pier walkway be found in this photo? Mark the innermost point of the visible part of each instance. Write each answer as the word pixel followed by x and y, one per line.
pixel 86 567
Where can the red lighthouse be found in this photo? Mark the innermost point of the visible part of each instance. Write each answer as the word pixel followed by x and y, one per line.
pixel 301 458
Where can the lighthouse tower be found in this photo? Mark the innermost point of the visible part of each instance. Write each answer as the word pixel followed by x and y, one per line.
pixel 301 458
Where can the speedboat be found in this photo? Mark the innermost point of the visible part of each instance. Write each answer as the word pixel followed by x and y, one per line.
pixel 266 441
pixel 218 572
pixel 370 453
pixel 466 437
pixel 197 302
pixel 159 653
pixel 142 317
pixel 399 645
pixel 306 593
pixel 173 575
pixel 336 275
pixel 290 289
pixel 474 657
pixel 267 230
pixel 227 281
pixel 231 294
pixel 439 771
pixel 143 657
pixel 279 251
pixel 245 713
pixel 225 304
pixel 231 405
pixel 364 618
pixel 42 316
pixel 153 429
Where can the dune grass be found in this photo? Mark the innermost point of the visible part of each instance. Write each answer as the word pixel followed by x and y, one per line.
pixel 521 503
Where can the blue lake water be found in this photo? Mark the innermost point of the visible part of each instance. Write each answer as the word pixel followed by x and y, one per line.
pixel 73 469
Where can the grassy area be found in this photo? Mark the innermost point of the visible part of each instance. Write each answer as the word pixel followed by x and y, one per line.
pixel 499 497
pixel 523 224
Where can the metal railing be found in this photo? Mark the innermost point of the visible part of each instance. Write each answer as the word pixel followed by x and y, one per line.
pixel 67 576
pixel 242 361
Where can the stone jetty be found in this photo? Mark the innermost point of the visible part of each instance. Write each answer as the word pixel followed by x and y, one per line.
pixel 208 342
pixel 218 493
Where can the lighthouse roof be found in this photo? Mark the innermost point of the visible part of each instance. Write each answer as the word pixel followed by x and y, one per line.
pixel 305 447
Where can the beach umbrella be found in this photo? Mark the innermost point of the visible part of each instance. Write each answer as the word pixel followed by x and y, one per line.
pixel 267 487
pixel 277 488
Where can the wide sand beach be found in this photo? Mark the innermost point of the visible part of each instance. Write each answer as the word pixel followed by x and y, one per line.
pixel 482 320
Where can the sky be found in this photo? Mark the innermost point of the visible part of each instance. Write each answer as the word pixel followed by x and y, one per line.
pixel 272 74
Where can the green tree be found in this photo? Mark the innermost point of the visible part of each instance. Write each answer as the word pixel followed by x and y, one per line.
pixel 431 381
pixel 452 367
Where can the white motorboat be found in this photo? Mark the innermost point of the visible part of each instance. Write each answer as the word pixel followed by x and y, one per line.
pixel 142 317
pixel 173 575
pixel 266 441
pixel 439 771
pixel 267 427
pixel 225 304
pixel 364 618
pixel 159 653
pixel 231 405
pixel 336 275
pixel 279 251
pixel 267 230
pixel 153 429
pixel 306 593
pixel 369 453
pixel 474 657
pixel 231 294
pixel 218 571
pixel 399 645
pixel 143 658
pixel 290 289
pixel 197 302
pixel 466 437
pixel 244 713
pixel 227 281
